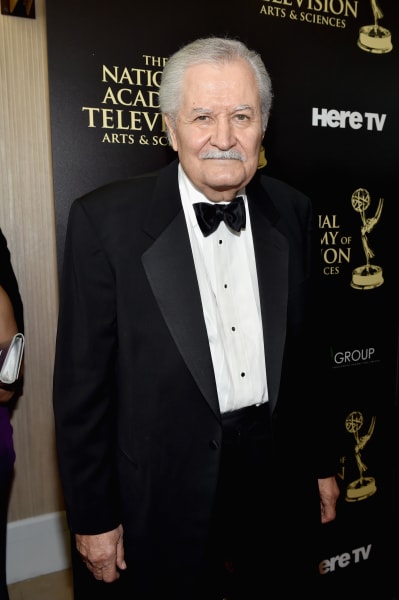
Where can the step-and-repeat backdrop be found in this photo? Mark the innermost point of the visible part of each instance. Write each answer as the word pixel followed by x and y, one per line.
pixel 333 133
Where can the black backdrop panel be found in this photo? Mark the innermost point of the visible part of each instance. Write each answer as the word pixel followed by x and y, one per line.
pixel 333 133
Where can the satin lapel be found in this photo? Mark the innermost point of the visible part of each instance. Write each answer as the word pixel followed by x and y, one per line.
pixel 271 253
pixel 170 270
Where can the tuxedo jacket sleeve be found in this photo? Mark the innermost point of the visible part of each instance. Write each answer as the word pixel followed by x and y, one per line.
pixel 136 411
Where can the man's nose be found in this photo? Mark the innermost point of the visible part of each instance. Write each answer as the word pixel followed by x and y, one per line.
pixel 223 135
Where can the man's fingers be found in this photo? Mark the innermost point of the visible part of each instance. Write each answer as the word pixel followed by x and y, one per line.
pixel 120 555
pixel 106 573
pixel 109 574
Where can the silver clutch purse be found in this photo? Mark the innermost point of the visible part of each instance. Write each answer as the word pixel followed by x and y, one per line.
pixel 11 354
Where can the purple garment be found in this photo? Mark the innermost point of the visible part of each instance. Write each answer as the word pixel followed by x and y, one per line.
pixel 7 453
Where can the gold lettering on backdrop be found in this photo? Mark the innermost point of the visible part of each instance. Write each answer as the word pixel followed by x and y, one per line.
pixel 329 13
pixel 131 76
pixel 336 7
pixel 335 248
pixel 108 118
pixel 128 97
pixel 130 103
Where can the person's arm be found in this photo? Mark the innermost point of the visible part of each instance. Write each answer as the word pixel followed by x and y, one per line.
pixel 8 328
pixel 9 283
pixel 85 396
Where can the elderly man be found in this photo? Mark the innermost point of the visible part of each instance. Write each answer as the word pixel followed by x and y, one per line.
pixel 188 428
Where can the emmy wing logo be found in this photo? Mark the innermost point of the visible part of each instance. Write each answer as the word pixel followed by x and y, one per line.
pixel 367 276
pixel 363 487
pixel 374 38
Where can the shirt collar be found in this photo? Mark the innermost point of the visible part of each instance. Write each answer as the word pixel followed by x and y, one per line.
pixel 190 195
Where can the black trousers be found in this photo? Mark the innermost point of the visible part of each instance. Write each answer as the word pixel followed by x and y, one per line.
pixel 265 521
pixel 237 557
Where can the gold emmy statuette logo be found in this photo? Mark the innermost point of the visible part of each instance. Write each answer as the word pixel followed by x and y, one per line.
pixel 368 276
pixel 364 487
pixel 262 162
pixel 374 38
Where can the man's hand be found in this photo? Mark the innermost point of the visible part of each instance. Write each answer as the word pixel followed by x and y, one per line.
pixel 329 493
pixel 103 554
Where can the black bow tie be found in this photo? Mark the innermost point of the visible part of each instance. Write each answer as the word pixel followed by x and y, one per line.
pixel 209 215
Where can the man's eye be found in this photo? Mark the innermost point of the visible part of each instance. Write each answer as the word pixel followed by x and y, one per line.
pixel 242 117
pixel 202 118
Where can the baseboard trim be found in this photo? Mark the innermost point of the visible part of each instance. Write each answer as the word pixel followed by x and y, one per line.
pixel 37 546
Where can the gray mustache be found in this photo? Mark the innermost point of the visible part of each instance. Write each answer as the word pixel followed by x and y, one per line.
pixel 220 154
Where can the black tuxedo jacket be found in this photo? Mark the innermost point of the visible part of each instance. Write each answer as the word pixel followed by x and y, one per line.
pixel 136 408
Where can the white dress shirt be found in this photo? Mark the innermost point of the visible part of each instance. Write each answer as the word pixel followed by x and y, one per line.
pixel 228 283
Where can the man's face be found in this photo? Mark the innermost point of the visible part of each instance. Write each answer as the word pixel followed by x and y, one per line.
pixel 218 130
